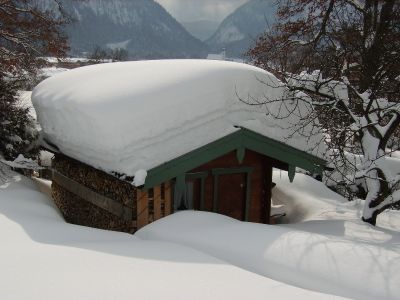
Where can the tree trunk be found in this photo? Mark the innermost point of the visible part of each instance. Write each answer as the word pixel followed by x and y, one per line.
pixel 377 185
pixel 371 220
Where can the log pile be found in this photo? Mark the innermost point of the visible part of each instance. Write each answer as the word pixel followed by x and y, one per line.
pixel 90 197
pixel 80 211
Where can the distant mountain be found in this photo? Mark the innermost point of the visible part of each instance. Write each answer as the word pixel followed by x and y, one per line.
pixel 241 28
pixel 202 29
pixel 142 27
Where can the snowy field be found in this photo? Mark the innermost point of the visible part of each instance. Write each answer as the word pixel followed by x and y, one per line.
pixel 42 257
pixel 197 255
pixel 329 250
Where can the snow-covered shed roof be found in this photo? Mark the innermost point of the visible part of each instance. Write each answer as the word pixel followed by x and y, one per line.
pixel 132 116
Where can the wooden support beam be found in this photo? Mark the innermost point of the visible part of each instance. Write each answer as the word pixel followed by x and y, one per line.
pixel 157 202
pixel 142 208
pixel 168 198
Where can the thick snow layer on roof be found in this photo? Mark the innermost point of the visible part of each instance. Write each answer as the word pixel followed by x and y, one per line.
pixel 131 116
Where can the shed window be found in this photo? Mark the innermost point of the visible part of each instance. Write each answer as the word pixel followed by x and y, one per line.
pixel 189 191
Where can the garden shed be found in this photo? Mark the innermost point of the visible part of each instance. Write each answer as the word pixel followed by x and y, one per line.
pixel 136 141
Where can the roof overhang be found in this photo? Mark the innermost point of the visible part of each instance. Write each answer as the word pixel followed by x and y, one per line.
pixel 238 141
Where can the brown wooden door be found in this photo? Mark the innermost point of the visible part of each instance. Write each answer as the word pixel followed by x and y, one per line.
pixel 232 195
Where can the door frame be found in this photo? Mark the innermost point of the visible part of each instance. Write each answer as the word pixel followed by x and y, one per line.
pixel 236 170
pixel 202 176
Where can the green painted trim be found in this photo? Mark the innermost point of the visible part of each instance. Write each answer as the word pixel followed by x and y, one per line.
pixel 202 176
pixel 282 152
pixel 192 160
pixel 227 171
pixel 292 172
pixel 243 138
pixel 196 175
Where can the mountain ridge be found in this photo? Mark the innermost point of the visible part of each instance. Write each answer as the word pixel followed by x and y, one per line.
pixel 240 29
pixel 142 27
pixel 201 29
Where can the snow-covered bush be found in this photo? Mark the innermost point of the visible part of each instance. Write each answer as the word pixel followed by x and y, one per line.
pixel 17 127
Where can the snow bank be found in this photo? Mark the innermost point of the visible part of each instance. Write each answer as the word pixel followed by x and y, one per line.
pixel 358 269
pixel 42 257
pixel 331 250
pixel 306 199
pixel 131 116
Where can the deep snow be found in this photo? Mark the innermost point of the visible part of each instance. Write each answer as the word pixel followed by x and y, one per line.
pixel 42 257
pixel 330 250
pixel 206 256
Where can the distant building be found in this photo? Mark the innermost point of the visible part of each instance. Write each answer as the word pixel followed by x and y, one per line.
pixel 222 56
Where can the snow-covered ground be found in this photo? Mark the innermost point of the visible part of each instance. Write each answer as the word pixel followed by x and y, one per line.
pixel 329 250
pixel 198 255
pixel 42 257
pixel 307 200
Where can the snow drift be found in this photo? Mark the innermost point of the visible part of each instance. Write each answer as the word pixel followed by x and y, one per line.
pixel 334 252
pixel 42 257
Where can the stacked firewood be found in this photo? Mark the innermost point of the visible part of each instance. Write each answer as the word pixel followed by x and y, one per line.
pixel 77 210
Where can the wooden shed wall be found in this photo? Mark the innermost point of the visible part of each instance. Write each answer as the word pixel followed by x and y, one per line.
pixel 260 181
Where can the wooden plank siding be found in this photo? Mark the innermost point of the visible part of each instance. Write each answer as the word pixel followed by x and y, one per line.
pixel 153 204
pixel 157 203
pixel 168 198
pixel 142 198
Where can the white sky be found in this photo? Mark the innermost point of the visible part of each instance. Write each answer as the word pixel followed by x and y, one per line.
pixel 194 10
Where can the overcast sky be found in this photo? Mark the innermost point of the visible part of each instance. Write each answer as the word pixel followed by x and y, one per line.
pixel 194 10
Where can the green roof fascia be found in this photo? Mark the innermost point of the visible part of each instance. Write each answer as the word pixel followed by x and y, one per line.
pixel 280 151
pixel 239 140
